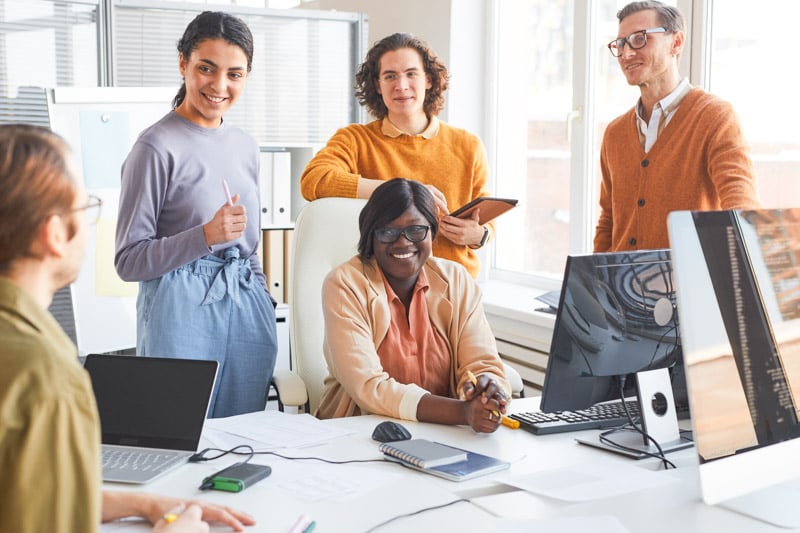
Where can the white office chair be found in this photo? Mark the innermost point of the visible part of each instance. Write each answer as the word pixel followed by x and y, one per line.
pixel 325 236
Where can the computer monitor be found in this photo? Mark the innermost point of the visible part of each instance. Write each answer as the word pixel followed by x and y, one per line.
pixel 738 279
pixel 616 318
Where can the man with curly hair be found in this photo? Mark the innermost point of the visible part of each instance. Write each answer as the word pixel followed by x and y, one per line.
pixel 402 84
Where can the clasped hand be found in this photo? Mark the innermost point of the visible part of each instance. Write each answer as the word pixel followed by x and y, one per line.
pixel 486 403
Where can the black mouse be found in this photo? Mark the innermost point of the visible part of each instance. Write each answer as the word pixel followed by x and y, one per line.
pixel 389 431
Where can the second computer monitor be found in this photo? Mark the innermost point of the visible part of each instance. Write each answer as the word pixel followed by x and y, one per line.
pixel 616 317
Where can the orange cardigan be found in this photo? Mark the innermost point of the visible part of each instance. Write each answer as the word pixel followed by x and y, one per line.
pixel 700 161
pixel 454 161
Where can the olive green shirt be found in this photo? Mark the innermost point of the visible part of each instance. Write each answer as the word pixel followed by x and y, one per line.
pixel 49 426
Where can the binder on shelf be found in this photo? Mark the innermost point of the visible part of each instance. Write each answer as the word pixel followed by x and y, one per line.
pixel 281 189
pixel 274 263
pixel 275 183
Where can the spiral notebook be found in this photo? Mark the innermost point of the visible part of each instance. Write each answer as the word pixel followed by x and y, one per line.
pixel 470 466
pixel 423 453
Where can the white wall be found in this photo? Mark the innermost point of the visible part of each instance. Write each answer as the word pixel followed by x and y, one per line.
pixel 455 31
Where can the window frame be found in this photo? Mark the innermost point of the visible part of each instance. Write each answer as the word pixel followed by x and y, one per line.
pixel 584 182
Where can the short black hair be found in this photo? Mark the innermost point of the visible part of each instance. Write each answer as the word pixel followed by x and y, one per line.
pixel 389 201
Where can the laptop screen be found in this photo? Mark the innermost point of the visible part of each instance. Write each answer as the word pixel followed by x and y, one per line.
pixel 151 401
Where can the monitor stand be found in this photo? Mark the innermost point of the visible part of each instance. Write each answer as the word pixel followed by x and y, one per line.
pixel 659 420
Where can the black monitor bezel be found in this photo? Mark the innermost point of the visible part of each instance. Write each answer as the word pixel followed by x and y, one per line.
pixel 558 395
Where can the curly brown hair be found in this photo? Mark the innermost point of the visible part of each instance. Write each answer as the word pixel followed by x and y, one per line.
pixel 367 74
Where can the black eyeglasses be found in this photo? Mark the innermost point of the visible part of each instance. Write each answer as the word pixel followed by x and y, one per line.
pixel 635 40
pixel 412 233
pixel 92 209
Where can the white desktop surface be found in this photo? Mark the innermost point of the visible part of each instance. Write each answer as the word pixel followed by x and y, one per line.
pixel 397 490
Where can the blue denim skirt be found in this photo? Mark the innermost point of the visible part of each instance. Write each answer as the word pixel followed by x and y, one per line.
pixel 215 309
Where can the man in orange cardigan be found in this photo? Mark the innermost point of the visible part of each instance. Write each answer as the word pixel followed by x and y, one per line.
pixel 679 148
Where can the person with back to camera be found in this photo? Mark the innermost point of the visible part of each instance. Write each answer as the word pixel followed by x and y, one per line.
pixel 49 424
pixel 404 329
pixel 679 148
pixel 402 83
pixel 202 291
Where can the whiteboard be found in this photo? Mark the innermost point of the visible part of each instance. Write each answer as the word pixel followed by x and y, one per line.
pixel 101 124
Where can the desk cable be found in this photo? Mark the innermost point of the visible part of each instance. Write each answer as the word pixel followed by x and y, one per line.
pixel 414 513
pixel 248 450
pixel 633 425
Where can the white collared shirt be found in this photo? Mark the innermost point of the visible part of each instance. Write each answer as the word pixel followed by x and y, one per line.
pixel 662 113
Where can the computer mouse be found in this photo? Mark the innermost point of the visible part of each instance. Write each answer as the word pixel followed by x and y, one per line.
pixel 389 431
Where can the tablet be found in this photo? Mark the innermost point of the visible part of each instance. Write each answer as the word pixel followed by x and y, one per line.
pixel 490 208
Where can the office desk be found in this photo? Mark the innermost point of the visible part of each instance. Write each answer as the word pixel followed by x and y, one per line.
pixel 389 490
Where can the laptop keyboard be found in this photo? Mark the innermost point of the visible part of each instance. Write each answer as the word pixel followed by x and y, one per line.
pixel 598 416
pixel 138 460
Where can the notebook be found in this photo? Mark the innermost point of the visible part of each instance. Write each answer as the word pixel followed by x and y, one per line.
pixel 152 411
pixel 423 453
pixel 473 466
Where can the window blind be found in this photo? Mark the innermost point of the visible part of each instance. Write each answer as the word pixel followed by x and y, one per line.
pixel 44 44
pixel 300 89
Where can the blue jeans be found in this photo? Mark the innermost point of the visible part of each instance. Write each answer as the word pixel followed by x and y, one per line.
pixel 214 309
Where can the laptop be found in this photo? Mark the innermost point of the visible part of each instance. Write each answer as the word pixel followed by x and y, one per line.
pixel 152 411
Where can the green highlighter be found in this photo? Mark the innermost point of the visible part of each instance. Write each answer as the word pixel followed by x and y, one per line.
pixel 236 477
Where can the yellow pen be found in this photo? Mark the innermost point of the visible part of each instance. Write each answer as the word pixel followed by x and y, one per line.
pixel 173 515
pixel 507 422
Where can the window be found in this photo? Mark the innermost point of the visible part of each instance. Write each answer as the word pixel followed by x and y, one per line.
pixel 557 87
pixel 753 44
pixel 300 88
pixel 44 44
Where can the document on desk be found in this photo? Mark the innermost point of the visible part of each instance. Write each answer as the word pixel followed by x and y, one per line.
pixel 591 481
pixel 270 430
pixel 576 524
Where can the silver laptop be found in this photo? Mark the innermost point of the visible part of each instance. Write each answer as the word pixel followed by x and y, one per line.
pixel 152 411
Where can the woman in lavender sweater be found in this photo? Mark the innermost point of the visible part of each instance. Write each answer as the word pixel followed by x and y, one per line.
pixel 193 247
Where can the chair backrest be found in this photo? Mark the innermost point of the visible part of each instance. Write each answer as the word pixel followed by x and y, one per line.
pixel 325 236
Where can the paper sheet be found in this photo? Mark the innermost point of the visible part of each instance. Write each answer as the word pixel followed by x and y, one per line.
pixel 269 430
pixel 578 524
pixel 591 481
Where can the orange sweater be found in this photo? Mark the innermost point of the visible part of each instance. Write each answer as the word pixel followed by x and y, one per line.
pixel 454 161
pixel 700 162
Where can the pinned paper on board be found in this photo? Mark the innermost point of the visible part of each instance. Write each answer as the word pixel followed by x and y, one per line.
pixel 108 283
pixel 105 142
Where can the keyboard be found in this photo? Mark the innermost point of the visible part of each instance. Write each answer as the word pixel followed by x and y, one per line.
pixel 600 416
pixel 127 460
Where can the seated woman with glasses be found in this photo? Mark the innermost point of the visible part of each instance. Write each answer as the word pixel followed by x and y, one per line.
pixel 405 331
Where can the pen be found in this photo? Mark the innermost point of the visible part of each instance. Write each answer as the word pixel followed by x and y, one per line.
pixel 507 422
pixel 173 515
pixel 227 191
pixel 304 524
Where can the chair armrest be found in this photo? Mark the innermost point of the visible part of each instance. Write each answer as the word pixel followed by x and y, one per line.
pixel 291 389
pixel 515 380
